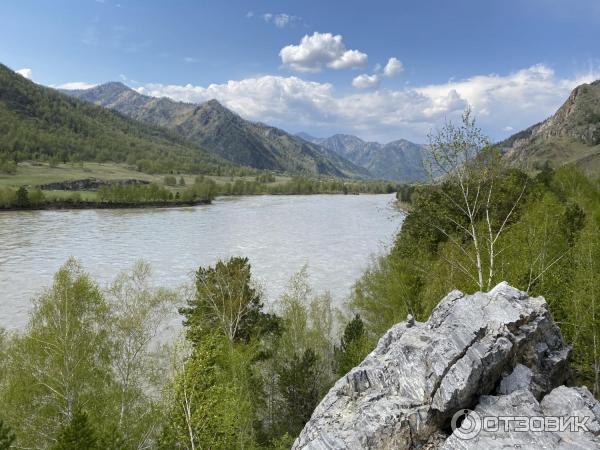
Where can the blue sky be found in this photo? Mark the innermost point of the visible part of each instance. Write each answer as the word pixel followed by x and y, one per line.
pixel 320 66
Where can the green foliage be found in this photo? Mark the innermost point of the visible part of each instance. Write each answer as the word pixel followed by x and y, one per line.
pixel 7 437
pixel 86 348
pixel 549 247
pixel 202 189
pixel 170 180
pixel 206 409
pixel 133 193
pixel 63 359
pixel 77 434
pixel 39 123
pixel 299 386
pixel 22 198
pixel 7 166
pixel 354 346
pixel 226 299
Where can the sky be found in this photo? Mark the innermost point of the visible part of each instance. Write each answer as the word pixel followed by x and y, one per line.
pixel 381 70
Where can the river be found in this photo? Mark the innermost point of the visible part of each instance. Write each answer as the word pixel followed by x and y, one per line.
pixel 335 235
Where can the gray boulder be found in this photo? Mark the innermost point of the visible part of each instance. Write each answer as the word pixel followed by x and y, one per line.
pixel 567 418
pixel 404 394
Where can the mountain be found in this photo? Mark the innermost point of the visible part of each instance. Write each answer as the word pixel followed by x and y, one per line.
pixel 399 160
pixel 37 122
pixel 225 133
pixel 571 135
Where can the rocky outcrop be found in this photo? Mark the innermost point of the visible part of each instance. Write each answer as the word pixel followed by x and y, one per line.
pixel 567 418
pixel 405 394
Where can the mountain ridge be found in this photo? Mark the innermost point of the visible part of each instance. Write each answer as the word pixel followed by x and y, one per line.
pixel 570 135
pixel 225 133
pixel 39 122
pixel 399 160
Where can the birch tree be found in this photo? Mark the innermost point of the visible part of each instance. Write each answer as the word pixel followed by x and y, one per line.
pixel 62 361
pixel 470 173
pixel 138 313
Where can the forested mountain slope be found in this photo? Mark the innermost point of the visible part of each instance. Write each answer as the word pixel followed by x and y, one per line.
pixel 41 123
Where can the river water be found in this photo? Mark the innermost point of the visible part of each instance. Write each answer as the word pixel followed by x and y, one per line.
pixel 335 235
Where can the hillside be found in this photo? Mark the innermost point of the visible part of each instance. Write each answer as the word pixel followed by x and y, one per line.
pixel 571 135
pixel 399 160
pixel 225 133
pixel 40 123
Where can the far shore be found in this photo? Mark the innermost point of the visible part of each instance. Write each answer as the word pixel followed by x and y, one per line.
pixel 64 205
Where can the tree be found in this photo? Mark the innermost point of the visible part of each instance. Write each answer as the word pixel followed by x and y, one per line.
pixel 22 198
pixel 181 181
pixel 305 345
pixel 77 434
pixel 470 170
pixel 354 346
pixel 7 437
pixel 299 385
pixel 138 311
pixel 62 360
pixel 227 299
pixel 203 408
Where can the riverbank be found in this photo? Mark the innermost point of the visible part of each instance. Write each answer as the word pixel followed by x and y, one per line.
pixel 95 205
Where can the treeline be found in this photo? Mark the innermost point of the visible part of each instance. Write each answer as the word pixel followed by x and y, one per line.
pixel 483 223
pixel 42 124
pixel 89 373
pixel 305 186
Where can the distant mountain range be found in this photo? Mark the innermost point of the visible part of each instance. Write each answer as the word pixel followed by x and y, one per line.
pixel 571 135
pixel 399 160
pixel 38 122
pixel 224 133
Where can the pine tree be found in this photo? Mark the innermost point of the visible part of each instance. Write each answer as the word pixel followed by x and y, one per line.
pixel 354 346
pixel 298 383
pixel 77 434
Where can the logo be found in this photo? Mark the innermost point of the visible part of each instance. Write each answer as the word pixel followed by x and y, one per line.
pixel 467 424
pixel 470 424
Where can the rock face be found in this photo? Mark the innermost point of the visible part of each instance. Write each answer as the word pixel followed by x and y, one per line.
pixel 571 135
pixel 406 392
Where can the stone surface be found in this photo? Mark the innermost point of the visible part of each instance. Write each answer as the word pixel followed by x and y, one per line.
pixel 562 402
pixel 404 394
pixel 520 379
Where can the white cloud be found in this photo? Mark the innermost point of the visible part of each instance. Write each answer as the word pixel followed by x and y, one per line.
pixel 76 85
pixel 249 14
pixel 393 67
pixel 508 128
pixel 521 98
pixel 280 20
pixel 319 50
pixel 365 81
pixel 27 73
pixel 190 60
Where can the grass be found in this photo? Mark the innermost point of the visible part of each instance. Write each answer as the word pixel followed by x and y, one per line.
pixel 33 174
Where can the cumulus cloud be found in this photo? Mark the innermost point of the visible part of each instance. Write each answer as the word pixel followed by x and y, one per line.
pixel 521 98
pixel 365 81
pixel 321 50
pixel 27 73
pixel 393 67
pixel 73 85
